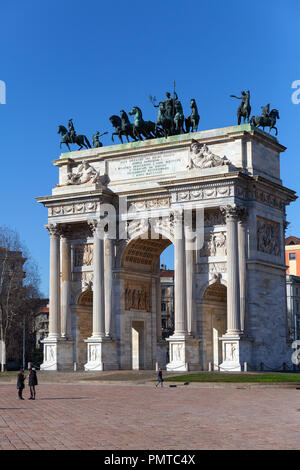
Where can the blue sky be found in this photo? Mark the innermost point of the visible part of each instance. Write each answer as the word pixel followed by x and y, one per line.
pixel 87 60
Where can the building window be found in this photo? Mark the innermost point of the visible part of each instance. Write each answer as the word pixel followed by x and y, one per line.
pixel 297 291
pixel 163 307
pixel 292 256
pixel 297 307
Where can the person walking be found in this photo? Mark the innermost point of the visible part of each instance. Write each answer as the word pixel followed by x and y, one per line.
pixel 20 383
pixel 159 378
pixel 32 382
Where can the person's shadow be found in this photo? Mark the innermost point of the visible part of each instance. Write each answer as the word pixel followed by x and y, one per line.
pixel 64 398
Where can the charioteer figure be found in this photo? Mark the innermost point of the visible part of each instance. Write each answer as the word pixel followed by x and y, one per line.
pixel 169 105
pixel 167 112
pixel 96 141
pixel 244 109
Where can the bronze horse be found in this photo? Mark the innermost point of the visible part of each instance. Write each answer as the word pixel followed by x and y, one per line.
pixel 266 121
pixel 79 139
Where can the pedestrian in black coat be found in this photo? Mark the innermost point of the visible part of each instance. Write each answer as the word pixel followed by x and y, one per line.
pixel 159 378
pixel 20 383
pixel 32 382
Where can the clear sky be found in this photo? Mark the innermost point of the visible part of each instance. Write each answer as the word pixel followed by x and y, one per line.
pixel 86 60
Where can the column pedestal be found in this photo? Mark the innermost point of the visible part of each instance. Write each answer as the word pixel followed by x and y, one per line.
pixel 236 350
pixel 102 354
pixel 184 353
pixel 58 354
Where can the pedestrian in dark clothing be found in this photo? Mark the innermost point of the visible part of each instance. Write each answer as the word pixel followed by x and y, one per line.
pixel 159 378
pixel 20 383
pixel 32 382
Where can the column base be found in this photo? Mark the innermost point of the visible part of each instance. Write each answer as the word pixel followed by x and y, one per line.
pixel 101 354
pixel 58 354
pixel 184 353
pixel 236 350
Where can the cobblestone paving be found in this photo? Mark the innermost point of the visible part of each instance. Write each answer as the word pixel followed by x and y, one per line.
pixel 133 416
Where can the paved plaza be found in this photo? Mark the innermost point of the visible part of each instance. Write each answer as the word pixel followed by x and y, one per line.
pixel 135 415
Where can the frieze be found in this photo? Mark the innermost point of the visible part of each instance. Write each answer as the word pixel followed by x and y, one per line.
pixel 150 204
pixel 205 193
pixel 269 199
pixel 75 208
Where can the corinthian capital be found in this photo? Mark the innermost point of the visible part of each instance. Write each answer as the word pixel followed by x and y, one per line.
pixel 65 230
pixel 234 212
pixel 54 230
pixel 93 224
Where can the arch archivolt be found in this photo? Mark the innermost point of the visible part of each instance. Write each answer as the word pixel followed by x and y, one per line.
pixel 216 281
pixel 147 239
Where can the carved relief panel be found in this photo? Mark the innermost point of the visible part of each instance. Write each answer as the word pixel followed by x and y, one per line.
pixel 138 296
pixel 214 245
pixel 214 217
pixel 83 255
pixel 268 236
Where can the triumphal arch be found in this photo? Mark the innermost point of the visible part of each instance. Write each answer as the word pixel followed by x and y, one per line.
pixel 218 197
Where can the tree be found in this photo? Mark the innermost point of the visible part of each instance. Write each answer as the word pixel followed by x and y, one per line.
pixel 19 292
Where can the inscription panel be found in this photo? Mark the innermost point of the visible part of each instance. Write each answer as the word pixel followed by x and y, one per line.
pixel 156 164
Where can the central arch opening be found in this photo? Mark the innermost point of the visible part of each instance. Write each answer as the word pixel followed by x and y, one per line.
pixel 84 325
pixel 214 308
pixel 141 324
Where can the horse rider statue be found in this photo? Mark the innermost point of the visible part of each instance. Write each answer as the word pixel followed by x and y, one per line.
pixel 72 132
pixel 265 111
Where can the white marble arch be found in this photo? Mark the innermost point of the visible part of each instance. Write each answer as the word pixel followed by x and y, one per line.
pixel 158 183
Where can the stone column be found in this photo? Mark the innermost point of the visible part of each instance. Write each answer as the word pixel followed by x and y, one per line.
pixel 180 277
pixel 183 348
pixel 242 237
pixel 189 260
pixel 158 304
pixel 65 284
pixel 54 288
pixel 98 282
pixel 108 287
pixel 233 283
